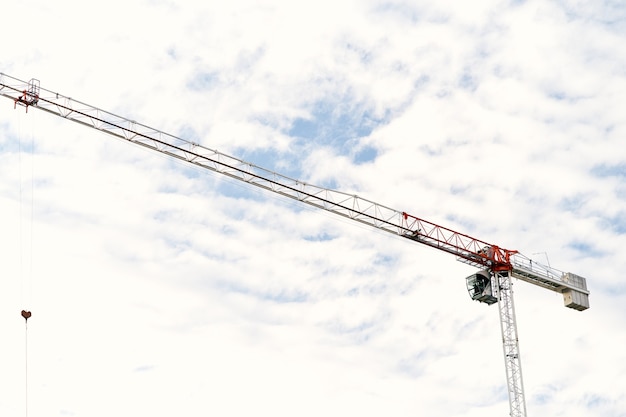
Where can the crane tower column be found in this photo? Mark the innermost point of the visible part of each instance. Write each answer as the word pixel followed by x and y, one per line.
pixel 510 343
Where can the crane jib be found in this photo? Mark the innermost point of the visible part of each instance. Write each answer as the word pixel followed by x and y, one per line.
pixel 466 248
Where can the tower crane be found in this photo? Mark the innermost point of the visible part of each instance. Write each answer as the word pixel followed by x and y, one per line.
pixel 491 284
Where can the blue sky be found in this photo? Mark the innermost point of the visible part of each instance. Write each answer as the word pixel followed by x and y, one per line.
pixel 161 289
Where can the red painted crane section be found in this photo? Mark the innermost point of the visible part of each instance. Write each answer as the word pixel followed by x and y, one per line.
pixel 468 249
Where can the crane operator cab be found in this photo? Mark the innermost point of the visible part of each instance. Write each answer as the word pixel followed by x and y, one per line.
pixel 479 287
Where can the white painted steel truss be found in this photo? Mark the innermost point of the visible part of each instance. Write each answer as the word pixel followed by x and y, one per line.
pixel 510 344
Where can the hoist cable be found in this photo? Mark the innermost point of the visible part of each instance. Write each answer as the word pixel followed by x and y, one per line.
pixel 26 367
pixel 25 243
pixel 20 208
pixel 26 219
pixel 32 212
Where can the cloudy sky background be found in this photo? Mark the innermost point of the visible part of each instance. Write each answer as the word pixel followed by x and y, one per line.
pixel 161 289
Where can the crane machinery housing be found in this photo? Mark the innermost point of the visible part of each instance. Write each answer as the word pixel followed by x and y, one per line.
pixel 491 284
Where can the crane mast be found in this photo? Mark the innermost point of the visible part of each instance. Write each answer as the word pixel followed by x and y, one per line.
pixel 510 344
pixel 491 284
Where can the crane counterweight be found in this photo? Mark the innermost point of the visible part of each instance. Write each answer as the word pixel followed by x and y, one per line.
pixel 578 299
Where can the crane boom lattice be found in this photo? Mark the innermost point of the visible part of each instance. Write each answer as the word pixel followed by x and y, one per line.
pixel 347 205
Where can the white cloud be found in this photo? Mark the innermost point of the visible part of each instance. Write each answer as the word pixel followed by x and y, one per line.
pixel 161 289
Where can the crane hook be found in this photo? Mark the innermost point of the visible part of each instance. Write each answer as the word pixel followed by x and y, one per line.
pixel 26 314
